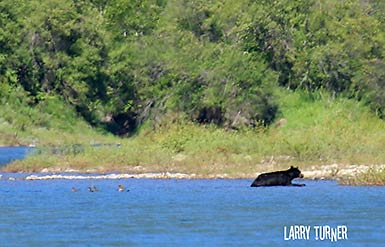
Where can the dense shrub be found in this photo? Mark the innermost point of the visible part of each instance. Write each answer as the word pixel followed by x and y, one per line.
pixel 123 63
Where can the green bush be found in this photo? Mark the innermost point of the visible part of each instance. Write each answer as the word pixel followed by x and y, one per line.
pixel 120 64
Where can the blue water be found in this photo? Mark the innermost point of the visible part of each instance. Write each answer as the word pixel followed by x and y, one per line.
pixel 9 154
pixel 184 213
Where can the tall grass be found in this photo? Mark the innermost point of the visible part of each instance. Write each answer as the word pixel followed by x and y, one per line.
pixel 319 130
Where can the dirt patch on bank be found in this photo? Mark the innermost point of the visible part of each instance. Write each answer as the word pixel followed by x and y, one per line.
pixel 337 171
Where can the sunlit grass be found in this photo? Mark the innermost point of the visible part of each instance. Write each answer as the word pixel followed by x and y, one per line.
pixel 50 122
pixel 319 130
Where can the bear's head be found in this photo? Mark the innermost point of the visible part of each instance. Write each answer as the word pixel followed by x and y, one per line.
pixel 295 172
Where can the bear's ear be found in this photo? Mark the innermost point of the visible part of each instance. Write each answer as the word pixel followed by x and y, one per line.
pixel 291 167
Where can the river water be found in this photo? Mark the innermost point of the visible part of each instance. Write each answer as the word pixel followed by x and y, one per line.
pixel 9 154
pixel 173 212
pixel 185 213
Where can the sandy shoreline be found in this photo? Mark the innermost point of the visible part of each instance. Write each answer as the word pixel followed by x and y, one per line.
pixel 325 172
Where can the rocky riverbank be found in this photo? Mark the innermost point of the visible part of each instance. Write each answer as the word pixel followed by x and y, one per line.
pixel 325 172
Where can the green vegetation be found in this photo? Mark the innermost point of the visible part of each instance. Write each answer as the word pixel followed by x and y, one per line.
pixel 194 86
pixel 319 130
pixel 49 122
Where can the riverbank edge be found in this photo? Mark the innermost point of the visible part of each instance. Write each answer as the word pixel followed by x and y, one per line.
pixel 341 173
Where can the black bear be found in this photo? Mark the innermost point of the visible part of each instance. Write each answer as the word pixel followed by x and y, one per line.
pixel 279 178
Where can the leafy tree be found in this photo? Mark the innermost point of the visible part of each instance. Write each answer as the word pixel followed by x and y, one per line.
pixel 122 63
pixel 132 18
pixel 271 30
pixel 62 51
pixel 315 44
pixel 10 39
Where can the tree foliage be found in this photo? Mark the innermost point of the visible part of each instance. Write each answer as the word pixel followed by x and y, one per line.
pixel 124 63
pixel 318 44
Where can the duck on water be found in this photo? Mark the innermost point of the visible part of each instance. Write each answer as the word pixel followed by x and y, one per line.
pixel 94 189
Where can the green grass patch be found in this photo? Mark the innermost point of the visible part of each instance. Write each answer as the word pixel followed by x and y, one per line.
pixel 319 129
pixel 48 122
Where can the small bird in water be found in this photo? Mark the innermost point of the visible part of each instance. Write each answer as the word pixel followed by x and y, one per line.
pixel 74 189
pixel 121 188
pixel 90 189
pixel 95 189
